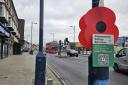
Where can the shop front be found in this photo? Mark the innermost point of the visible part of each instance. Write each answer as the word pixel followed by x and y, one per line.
pixel 16 46
pixel 10 46
pixel 5 50
pixel 4 39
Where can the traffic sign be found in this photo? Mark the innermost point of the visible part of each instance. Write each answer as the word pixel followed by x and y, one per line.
pixel 103 39
pixel 103 50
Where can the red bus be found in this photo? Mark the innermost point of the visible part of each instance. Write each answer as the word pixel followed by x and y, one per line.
pixel 52 47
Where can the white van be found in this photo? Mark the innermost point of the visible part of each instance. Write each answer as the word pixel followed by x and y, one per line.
pixel 72 52
pixel 121 61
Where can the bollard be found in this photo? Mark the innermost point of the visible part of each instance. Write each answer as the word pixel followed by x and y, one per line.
pixel 49 81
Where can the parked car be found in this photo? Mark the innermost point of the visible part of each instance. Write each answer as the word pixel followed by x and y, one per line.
pixel 72 52
pixel 121 61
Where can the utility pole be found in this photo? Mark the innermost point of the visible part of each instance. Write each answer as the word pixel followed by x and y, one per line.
pixel 27 38
pixel 40 70
pixel 60 44
pixel 32 34
pixel 97 75
pixel 74 34
pixel 101 41
pixel 53 36
pixel 101 3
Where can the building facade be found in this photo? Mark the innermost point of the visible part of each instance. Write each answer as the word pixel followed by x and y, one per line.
pixel 18 46
pixel 9 33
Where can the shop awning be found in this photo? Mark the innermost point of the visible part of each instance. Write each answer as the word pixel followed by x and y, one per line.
pixel 2 30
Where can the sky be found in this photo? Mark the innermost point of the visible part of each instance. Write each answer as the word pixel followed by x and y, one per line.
pixel 60 15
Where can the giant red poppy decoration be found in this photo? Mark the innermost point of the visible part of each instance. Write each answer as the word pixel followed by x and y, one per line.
pixel 99 20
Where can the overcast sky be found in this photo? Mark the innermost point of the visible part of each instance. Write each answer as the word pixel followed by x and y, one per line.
pixel 61 14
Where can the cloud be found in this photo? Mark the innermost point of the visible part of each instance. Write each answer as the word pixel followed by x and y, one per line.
pixel 120 9
pixel 60 14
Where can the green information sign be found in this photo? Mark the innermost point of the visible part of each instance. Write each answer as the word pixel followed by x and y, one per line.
pixel 103 50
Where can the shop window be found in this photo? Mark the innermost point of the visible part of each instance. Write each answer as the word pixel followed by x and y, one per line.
pixel 9 21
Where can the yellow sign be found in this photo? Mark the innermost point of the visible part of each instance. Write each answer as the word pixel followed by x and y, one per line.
pixel 78 44
pixel 15 39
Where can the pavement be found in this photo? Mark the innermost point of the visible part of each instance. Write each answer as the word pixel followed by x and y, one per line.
pixel 20 70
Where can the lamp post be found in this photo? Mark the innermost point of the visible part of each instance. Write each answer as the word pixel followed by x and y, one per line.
pixel 31 32
pixel 27 38
pixel 53 36
pixel 40 67
pixel 73 33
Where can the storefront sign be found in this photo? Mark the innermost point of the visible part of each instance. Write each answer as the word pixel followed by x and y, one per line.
pixel 103 50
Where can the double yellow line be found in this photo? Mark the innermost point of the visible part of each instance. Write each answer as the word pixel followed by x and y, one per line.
pixel 57 75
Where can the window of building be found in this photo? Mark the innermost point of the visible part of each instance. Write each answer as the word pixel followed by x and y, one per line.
pixel 1 9
pixel 9 21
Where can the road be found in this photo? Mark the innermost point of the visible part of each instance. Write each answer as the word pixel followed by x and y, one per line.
pixel 75 70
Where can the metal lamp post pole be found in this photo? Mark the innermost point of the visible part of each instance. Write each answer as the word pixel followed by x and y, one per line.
pixel 27 38
pixel 40 69
pixel 74 34
pixel 31 33
pixel 28 42
pixel 53 36
pixel 41 25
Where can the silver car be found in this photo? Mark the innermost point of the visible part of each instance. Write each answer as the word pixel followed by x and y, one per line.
pixel 72 52
pixel 121 61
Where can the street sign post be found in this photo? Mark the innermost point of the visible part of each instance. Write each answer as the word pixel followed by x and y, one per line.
pixel 103 50
pixel 98 20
